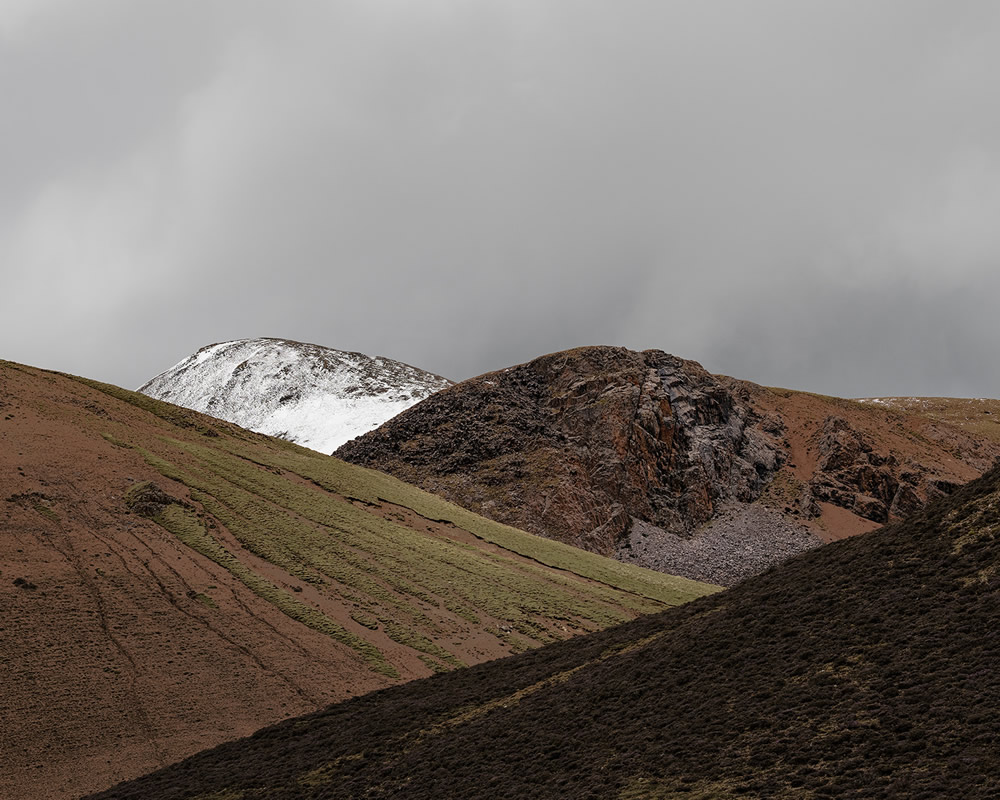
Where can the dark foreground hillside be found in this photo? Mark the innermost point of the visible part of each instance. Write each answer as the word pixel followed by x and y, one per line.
pixel 866 668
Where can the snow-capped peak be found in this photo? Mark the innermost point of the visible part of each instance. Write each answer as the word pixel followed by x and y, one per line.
pixel 312 395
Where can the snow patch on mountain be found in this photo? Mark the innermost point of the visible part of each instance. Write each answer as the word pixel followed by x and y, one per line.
pixel 312 395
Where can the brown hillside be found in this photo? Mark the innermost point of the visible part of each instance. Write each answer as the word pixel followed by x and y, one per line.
pixel 868 668
pixel 650 458
pixel 169 582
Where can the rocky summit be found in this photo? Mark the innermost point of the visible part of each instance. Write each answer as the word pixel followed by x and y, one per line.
pixel 648 457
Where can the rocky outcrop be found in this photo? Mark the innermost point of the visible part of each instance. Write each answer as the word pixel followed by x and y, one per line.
pixel 648 457
pixel 851 474
pixel 577 445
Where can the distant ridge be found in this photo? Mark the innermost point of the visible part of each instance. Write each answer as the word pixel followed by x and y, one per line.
pixel 311 395
pixel 977 415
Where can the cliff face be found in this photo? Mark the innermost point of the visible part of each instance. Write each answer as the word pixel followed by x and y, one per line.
pixel 852 466
pixel 578 444
pixel 852 474
pixel 650 458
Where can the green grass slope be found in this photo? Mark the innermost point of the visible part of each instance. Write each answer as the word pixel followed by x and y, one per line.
pixel 868 668
pixel 311 515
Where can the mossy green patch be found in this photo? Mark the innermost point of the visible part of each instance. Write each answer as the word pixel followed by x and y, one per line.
pixel 175 415
pixel 301 528
pixel 326 523
pixel 184 524
pixel 204 599
pixel 372 487
pixel 38 503
pixel 46 511
pixel 365 620
pixel 115 441
pixel 435 666
pixel 409 637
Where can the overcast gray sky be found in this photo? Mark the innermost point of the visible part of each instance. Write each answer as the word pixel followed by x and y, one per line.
pixel 800 193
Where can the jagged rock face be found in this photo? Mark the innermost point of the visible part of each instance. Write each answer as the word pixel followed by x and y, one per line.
pixel 577 445
pixel 648 457
pixel 852 475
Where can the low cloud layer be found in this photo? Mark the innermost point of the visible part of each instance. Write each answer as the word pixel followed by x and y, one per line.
pixel 798 193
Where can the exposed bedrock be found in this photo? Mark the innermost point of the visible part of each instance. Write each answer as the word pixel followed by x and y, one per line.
pixel 576 445
pixel 649 458
pixel 852 475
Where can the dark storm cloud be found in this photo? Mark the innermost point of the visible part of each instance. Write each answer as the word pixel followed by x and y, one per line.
pixel 800 193
pixel 870 341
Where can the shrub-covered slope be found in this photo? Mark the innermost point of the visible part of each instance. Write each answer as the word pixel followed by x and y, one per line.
pixel 867 668
pixel 169 581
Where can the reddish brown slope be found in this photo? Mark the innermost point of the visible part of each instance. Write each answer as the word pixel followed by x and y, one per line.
pixel 124 648
pixel 854 465
pixel 865 669
pixel 977 415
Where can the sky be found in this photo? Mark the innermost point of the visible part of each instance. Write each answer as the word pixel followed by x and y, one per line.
pixel 800 193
